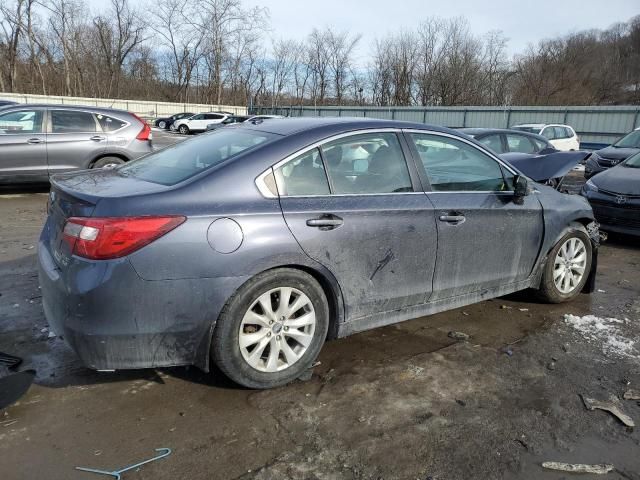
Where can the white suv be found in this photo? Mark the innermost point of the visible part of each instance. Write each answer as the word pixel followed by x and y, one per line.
pixel 198 122
pixel 562 137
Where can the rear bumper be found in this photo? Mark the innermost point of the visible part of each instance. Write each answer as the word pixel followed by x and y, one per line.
pixel 113 319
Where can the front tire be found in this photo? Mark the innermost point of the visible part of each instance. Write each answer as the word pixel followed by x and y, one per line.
pixel 183 129
pixel 162 124
pixel 272 329
pixel 567 268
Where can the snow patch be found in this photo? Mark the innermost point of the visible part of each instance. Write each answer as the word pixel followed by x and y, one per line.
pixel 605 331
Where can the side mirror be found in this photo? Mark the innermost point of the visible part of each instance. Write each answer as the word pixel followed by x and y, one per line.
pixel 520 189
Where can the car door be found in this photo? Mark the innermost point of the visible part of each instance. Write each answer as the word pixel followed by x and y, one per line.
pixel 352 207
pixel 485 239
pixel 23 150
pixel 74 139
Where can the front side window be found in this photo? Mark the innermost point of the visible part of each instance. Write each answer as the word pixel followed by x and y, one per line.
pixel 72 121
pixel 520 143
pixel 453 165
pixel 184 160
pixel 302 176
pixel 367 163
pixel 494 142
pixel 21 122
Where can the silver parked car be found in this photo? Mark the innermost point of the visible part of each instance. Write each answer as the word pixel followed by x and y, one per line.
pixel 37 141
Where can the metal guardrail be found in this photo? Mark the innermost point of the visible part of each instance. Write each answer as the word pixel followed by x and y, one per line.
pixel 143 108
pixel 594 124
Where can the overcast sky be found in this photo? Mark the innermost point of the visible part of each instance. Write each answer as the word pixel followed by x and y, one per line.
pixel 522 21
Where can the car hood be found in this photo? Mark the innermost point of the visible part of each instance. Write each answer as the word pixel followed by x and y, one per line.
pixel 614 153
pixel 619 179
pixel 544 167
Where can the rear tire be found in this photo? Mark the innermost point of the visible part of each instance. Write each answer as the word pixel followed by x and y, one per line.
pixel 567 268
pixel 107 162
pixel 183 129
pixel 267 347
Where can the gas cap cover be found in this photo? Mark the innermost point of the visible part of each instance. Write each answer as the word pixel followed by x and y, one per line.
pixel 225 235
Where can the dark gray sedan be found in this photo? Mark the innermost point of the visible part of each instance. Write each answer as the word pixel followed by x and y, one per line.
pixel 250 246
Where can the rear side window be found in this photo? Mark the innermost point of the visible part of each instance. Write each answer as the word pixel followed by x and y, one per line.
pixel 21 122
pixel 453 165
pixel 72 121
pixel 110 124
pixel 520 143
pixel 213 116
pixel 561 132
pixel 494 142
pixel 548 133
pixel 304 175
pixel 540 145
pixel 184 160
pixel 367 163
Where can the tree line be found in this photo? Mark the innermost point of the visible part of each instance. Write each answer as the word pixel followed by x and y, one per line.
pixel 221 52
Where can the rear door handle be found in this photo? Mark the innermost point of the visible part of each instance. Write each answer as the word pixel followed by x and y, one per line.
pixel 97 138
pixel 325 222
pixel 453 219
pixel 34 141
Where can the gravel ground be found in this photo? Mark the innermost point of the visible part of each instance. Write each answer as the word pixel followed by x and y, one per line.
pixel 400 402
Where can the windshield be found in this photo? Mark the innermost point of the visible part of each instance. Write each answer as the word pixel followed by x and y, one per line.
pixel 526 129
pixel 631 140
pixel 184 160
pixel 633 161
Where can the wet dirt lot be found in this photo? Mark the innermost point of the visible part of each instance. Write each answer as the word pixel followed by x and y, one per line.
pixel 400 402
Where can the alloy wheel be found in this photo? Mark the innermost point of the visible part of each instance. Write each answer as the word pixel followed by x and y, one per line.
pixel 569 265
pixel 277 329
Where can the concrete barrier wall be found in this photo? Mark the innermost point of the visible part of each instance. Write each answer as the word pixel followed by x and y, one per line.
pixel 139 107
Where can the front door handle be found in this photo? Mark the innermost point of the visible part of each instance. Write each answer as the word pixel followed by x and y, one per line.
pixel 97 138
pixel 34 141
pixel 325 222
pixel 454 219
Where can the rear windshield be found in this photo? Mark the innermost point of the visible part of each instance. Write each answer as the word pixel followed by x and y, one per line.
pixel 631 140
pixel 184 160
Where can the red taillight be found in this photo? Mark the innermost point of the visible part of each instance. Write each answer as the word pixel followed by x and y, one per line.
pixel 145 133
pixel 112 237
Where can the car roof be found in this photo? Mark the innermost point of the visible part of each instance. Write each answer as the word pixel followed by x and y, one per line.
pixel 288 125
pixel 67 107
pixel 482 131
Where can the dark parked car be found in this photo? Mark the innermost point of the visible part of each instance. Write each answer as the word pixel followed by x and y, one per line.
pixel 615 196
pixel 506 141
pixel 609 156
pixel 4 103
pixel 251 245
pixel 228 121
pixel 39 140
pixel 166 122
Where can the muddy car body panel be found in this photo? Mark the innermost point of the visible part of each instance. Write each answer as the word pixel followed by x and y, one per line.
pixel 391 257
